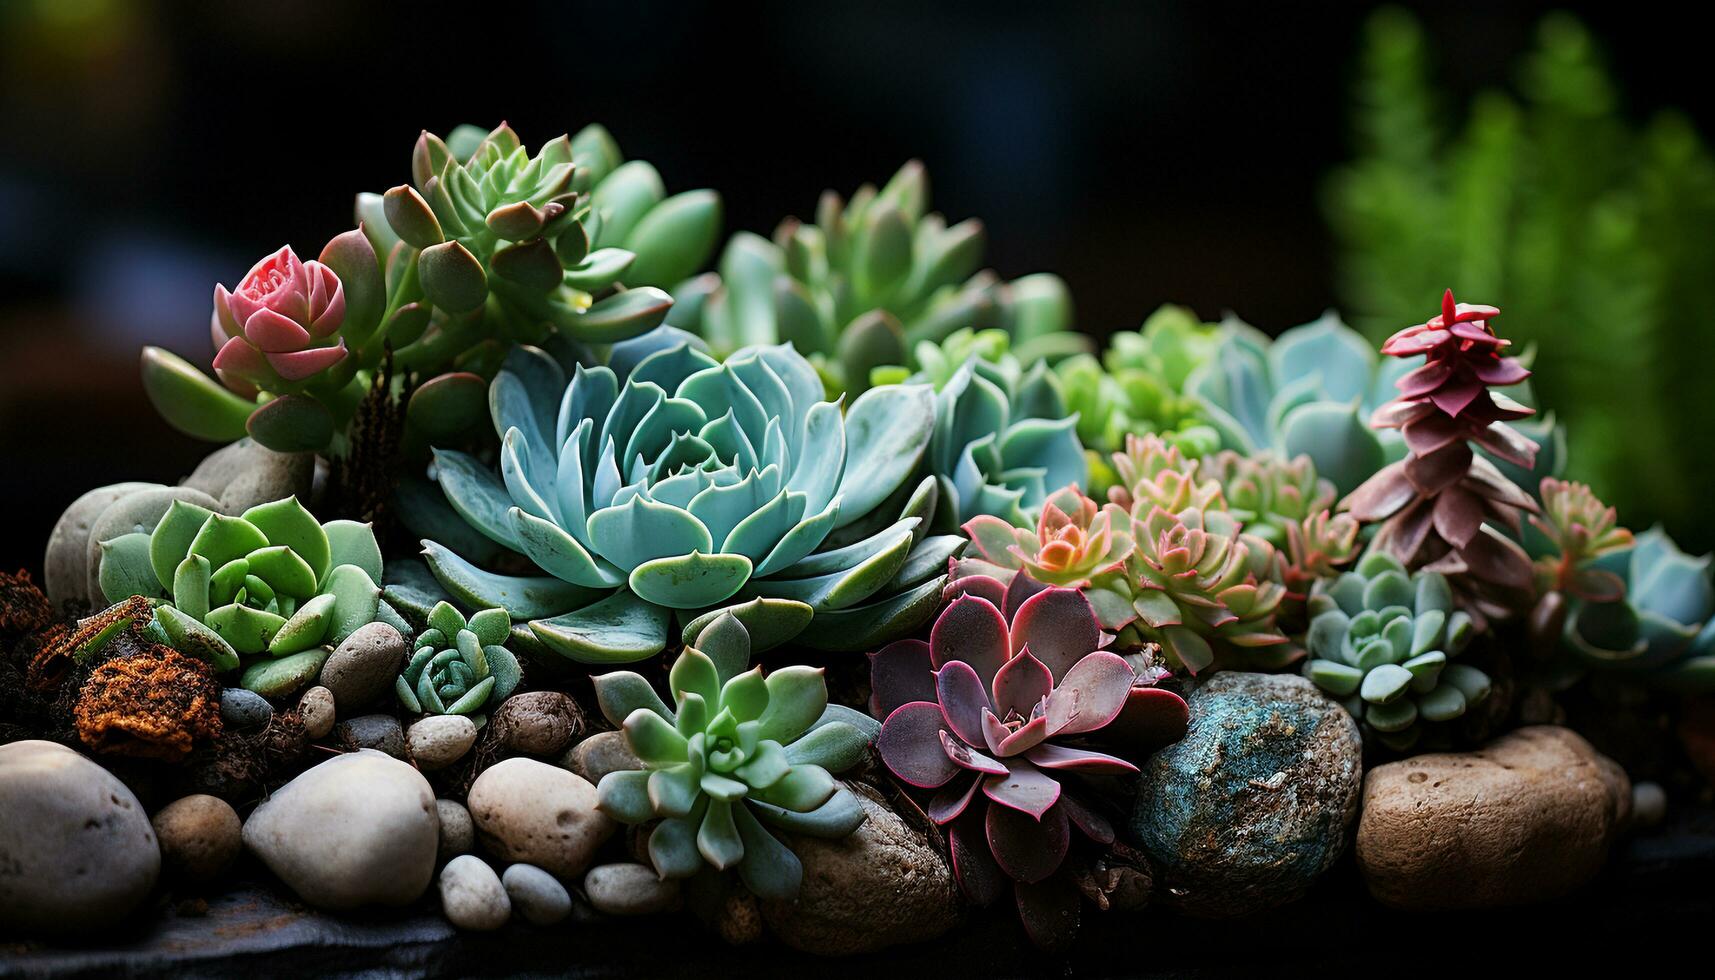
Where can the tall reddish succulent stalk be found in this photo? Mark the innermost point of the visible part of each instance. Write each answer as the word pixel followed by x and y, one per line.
pixel 1442 506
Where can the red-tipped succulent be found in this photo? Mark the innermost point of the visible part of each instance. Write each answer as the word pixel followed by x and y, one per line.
pixel 1075 540
pixel 997 715
pixel 1444 506
pixel 280 324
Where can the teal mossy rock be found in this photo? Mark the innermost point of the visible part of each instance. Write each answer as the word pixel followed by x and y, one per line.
pixel 1256 800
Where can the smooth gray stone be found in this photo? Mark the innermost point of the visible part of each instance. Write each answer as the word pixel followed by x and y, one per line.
pixel 139 511
pixel 65 566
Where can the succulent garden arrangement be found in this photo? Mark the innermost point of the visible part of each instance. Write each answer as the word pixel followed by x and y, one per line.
pixel 890 553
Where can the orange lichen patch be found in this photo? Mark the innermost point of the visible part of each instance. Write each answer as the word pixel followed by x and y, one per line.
pixel 153 705
pixel 23 607
pixel 57 652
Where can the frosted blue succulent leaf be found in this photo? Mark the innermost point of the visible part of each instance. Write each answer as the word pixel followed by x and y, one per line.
pixel 721 508
pixel 641 530
pixel 523 597
pixel 795 545
pixel 509 403
pixel 1051 444
pixel 619 629
pixel 589 398
pixel 847 586
pixel 542 380
pixel 1344 449
pixel 1342 361
pixel 871 625
pixel 353 543
pixel 519 470
pixel 760 532
pixel 561 555
pixel 476 494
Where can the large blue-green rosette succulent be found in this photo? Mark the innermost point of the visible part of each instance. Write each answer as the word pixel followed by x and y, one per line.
pixel 667 483
pixel 1662 628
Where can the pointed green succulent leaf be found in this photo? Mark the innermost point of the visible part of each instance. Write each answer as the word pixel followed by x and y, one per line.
pixel 190 401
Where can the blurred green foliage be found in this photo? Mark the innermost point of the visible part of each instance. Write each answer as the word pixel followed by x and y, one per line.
pixel 1594 234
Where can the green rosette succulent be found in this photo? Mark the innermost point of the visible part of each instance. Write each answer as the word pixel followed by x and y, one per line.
pixel 1308 392
pixel 271 582
pixel 459 666
pixel 666 483
pixel 737 759
pixel 1382 641
pixel 867 282
pixel 1003 439
pixel 1269 494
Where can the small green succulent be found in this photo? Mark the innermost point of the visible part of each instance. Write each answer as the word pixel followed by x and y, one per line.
pixel 271 581
pixel 1270 494
pixel 867 282
pixel 738 758
pixel 1381 640
pixel 459 666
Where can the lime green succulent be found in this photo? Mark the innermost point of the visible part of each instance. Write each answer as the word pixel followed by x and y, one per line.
pixel 270 582
pixel 738 758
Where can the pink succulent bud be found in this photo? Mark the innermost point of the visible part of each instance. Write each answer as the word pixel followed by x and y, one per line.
pixel 276 324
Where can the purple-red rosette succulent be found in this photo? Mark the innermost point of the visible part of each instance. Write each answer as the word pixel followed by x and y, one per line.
pixel 1444 506
pixel 281 324
pixel 998 714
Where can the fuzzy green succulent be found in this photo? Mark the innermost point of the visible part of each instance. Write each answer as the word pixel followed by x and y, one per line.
pixel 459 666
pixel 738 758
pixel 667 483
pixel 1382 641
pixel 270 582
pixel 867 282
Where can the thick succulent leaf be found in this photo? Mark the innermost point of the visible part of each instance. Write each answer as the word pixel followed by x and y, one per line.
pixel 560 554
pixel 618 629
pixel 769 868
pixel 694 673
pixel 477 494
pixel 1060 757
pixel 624 796
pixel 223 539
pixel 191 637
pixel 1028 848
pixel 769 622
pixel 964 700
pixel 247 630
pixel 836 818
pixel 673 845
pixel 673 239
pixel 307 626
pixel 1059 626
pixel 526 598
pixel 866 627
pixel 621 692
pixel 654 739
pixel 1021 683
pixel 910 745
pixel 803 789
pixel 690 581
pixel 971 629
pixel 797 696
pixel 621 316
pixel 352 543
pixel 900 673
pixel 126 569
pixel 835 747
pixel 191 401
pixel 887 432
pixel 1025 789
pixel 717 838
pixel 171 540
pixel 974 866
pixel 356 599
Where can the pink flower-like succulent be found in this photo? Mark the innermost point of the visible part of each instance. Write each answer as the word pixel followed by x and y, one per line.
pixel 280 324
pixel 1075 540
pixel 994 712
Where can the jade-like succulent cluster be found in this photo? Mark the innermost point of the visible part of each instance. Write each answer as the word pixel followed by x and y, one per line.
pixel 997 714
pixel 677 484
pixel 459 665
pixel 269 582
pixel 738 759
pixel 868 281
pixel 1383 640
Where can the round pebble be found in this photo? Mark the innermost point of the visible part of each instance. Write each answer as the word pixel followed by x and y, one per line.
pixel 458 834
pixel 600 754
pixel 531 812
pixel 630 889
pixel 538 723
pixel 536 894
pixel 199 837
pixel 439 741
pixel 379 732
pixel 472 896
pixel 244 709
pixel 1649 804
pixel 365 666
pixel 317 709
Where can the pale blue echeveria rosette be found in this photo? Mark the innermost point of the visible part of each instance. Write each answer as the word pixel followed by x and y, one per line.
pixel 668 484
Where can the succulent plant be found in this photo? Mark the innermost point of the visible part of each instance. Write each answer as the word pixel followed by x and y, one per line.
pixel 291 339
pixel 667 482
pixel 1151 472
pixel 736 759
pixel 1646 607
pixel 866 282
pixel 459 666
pixel 1194 578
pixel 1300 394
pixel 1003 438
pixel 1075 541
pixel 1446 508
pixel 270 582
pixel 994 714
pixel 1381 639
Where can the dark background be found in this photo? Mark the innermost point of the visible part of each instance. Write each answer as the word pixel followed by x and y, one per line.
pixel 1146 152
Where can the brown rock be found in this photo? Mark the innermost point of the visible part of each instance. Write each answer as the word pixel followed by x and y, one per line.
pixel 538 723
pixel 883 885
pixel 199 837
pixel 1526 818
pixel 600 754
pixel 531 812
